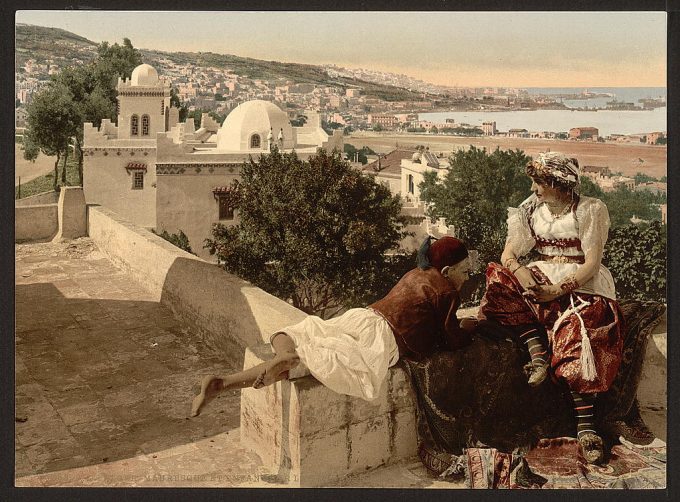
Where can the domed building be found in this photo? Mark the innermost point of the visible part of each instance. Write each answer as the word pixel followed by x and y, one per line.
pixel 163 174
pixel 144 75
pixel 256 126
pixel 143 103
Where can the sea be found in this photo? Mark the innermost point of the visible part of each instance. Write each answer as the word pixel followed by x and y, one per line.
pixel 607 121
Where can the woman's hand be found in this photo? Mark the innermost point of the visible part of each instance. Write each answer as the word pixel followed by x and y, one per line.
pixel 525 278
pixel 546 293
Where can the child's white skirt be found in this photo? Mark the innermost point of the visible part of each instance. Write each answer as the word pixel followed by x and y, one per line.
pixel 349 354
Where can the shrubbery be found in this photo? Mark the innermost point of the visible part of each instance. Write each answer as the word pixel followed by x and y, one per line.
pixel 180 240
pixel 636 257
pixel 314 232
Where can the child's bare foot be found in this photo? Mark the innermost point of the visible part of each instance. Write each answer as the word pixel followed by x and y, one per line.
pixel 210 387
pixel 278 365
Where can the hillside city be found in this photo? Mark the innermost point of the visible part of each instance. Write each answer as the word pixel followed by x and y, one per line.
pixel 351 106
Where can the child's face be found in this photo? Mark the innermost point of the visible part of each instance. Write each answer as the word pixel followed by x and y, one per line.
pixel 459 273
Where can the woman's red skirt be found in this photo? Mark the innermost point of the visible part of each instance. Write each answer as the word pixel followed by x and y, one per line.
pixel 504 303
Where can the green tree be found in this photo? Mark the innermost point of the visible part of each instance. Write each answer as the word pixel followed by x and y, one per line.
pixel 636 257
pixel 313 232
pixel 434 130
pixel 177 103
pixel 91 99
pixel 590 188
pixel 378 128
pixel 53 119
pixel 197 114
pixel 114 61
pixel 623 204
pixel 92 89
pixel 643 178
pixel 351 151
pixel 299 121
pixel 474 196
pixel 30 148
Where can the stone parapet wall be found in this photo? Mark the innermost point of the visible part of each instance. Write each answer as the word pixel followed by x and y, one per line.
pixel 228 312
pixel 308 435
pixel 36 222
pixel 50 197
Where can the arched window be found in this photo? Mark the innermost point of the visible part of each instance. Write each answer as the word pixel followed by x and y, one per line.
pixel 145 125
pixel 411 184
pixel 134 125
pixel 255 141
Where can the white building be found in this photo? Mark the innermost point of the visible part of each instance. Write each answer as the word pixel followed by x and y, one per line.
pixel 165 175
pixel 413 170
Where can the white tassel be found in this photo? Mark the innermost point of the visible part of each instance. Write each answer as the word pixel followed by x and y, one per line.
pixel 588 370
pixel 569 311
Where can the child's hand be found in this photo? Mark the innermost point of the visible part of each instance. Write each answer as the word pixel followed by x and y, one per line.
pixel 468 323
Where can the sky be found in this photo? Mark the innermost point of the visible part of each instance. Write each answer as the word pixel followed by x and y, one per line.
pixel 505 49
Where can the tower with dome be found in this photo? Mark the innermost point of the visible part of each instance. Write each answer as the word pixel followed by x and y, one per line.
pixel 163 174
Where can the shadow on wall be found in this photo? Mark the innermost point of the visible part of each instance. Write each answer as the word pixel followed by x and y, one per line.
pixel 100 380
pixel 228 313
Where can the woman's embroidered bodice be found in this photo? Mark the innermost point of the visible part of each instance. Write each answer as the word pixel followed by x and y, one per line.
pixel 562 242
pixel 555 236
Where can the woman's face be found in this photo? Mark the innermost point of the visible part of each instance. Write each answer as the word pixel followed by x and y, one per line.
pixel 544 192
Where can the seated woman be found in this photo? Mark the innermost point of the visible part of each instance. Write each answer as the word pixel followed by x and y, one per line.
pixel 566 297
pixel 350 354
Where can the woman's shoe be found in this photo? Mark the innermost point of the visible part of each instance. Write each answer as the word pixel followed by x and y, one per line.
pixel 592 447
pixel 536 372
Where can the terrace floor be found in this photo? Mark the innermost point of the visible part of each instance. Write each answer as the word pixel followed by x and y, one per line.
pixel 104 381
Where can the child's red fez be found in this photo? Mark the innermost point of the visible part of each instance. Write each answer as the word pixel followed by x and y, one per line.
pixel 441 253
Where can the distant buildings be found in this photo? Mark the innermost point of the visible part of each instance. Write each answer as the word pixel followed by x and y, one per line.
pixel 518 133
pixel 402 171
pixel 20 115
pixel 656 187
pixel 596 172
pixel 489 128
pixel 384 120
pixel 611 183
pixel 653 137
pixel 387 168
pixel 584 133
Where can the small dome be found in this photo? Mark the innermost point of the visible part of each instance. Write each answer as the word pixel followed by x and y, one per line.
pixel 254 118
pixel 144 74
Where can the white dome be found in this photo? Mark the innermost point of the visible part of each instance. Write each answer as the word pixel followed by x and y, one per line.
pixel 254 118
pixel 144 74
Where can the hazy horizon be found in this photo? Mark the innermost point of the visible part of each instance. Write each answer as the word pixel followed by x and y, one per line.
pixel 467 49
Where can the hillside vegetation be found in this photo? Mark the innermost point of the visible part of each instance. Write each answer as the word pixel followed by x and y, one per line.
pixel 42 44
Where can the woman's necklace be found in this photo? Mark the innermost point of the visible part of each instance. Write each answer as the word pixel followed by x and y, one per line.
pixel 561 213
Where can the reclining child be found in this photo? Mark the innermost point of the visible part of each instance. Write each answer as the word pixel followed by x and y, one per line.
pixel 351 354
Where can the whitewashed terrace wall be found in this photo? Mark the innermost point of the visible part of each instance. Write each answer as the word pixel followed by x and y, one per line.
pixel 229 313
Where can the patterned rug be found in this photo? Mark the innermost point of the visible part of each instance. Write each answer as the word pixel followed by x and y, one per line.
pixel 560 462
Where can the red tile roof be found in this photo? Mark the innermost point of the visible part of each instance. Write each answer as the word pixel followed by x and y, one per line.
pixel 389 163
pixel 136 165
